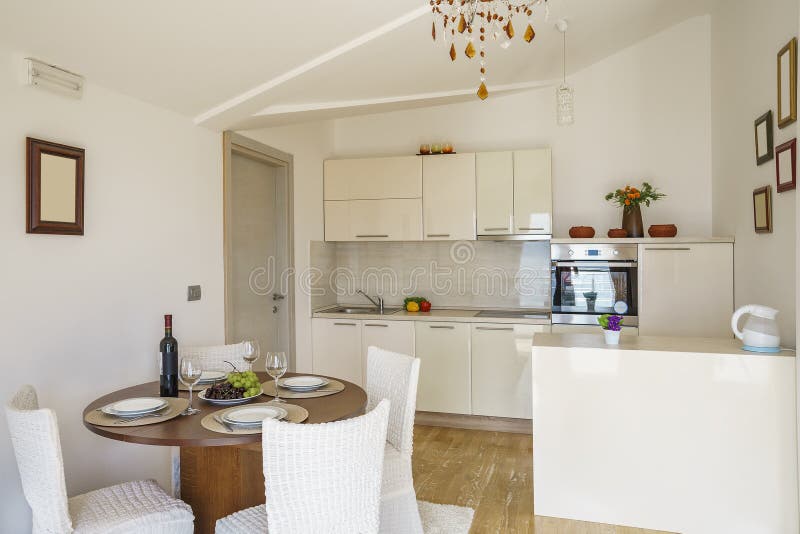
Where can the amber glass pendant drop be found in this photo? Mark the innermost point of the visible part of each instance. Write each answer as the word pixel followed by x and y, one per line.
pixel 453 51
pixel 470 51
pixel 529 34
pixel 433 31
pixel 483 92
pixel 510 29
pixel 462 24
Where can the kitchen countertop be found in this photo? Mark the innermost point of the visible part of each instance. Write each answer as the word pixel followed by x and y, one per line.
pixel 651 343
pixel 649 240
pixel 460 315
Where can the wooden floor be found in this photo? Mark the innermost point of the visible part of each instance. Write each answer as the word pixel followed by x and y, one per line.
pixel 491 472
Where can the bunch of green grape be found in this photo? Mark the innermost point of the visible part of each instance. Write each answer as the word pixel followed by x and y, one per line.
pixel 246 380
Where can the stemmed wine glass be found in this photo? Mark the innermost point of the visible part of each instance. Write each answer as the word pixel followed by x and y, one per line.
pixel 252 351
pixel 276 368
pixel 190 372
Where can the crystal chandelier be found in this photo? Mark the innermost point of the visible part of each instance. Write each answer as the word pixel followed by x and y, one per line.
pixel 479 21
pixel 565 96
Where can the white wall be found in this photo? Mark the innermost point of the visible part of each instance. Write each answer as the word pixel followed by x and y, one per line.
pixel 641 114
pixel 81 316
pixel 746 37
pixel 310 144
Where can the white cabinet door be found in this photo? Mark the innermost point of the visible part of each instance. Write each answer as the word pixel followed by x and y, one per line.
pixel 533 195
pixel 396 336
pixel 494 172
pixel 373 178
pixel 373 220
pixel 336 346
pixel 444 375
pixel 501 369
pixel 448 197
pixel 686 289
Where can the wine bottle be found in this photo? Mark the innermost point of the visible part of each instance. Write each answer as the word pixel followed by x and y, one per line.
pixel 169 361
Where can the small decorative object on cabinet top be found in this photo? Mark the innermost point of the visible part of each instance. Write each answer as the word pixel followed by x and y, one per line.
pixel 447 148
pixel 631 199
pixel 663 230
pixel 617 233
pixel 763 132
pixel 581 232
pixel 424 149
pixel 611 325
pixel 786 166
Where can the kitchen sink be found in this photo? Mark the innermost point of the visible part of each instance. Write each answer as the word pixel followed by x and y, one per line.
pixel 362 310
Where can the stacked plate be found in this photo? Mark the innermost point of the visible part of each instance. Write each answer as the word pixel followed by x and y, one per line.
pixel 304 383
pixel 253 416
pixel 136 407
pixel 208 378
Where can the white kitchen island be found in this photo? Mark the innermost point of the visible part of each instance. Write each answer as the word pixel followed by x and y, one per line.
pixel 683 435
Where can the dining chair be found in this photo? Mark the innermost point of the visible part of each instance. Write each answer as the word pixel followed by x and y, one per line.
pixel 318 478
pixel 394 376
pixel 132 507
pixel 215 358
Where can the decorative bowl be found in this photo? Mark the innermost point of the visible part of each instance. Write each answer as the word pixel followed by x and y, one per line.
pixel 229 402
pixel 617 232
pixel 663 230
pixel 581 232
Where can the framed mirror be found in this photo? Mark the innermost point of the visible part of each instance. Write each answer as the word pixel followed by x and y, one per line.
pixel 55 188
pixel 762 210
pixel 787 84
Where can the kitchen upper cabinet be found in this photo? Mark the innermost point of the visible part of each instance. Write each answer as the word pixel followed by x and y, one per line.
pixel 444 376
pixel 393 219
pixel 336 346
pixel 396 336
pixel 494 172
pixel 533 195
pixel 501 369
pixel 373 178
pixel 448 197
pixel 686 289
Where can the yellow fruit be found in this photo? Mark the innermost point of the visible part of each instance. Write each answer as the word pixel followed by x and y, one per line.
pixel 412 307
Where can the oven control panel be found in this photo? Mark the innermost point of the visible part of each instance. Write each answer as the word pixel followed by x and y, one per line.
pixel 593 252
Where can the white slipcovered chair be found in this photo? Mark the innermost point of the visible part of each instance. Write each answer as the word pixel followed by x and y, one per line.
pixel 318 478
pixel 214 358
pixel 140 507
pixel 395 376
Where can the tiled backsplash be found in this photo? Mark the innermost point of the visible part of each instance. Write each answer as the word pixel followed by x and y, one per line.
pixel 484 274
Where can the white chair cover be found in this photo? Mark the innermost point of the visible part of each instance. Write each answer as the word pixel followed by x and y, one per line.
pixel 215 358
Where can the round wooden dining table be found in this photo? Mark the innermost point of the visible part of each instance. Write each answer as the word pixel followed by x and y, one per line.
pixel 219 473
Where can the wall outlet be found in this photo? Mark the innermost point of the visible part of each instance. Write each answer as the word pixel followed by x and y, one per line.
pixel 194 293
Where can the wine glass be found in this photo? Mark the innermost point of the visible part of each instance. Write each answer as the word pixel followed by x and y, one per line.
pixel 276 368
pixel 252 351
pixel 190 372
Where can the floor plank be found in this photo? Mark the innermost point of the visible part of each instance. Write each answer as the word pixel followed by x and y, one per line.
pixel 491 472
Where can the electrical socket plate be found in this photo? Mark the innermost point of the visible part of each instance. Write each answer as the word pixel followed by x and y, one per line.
pixel 194 293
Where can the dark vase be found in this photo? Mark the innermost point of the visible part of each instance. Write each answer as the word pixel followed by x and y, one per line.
pixel 632 221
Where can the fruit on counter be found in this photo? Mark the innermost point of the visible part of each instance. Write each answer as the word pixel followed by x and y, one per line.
pixel 425 306
pixel 414 304
pixel 237 386
pixel 412 307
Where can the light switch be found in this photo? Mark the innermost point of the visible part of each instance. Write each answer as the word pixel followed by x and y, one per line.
pixel 194 293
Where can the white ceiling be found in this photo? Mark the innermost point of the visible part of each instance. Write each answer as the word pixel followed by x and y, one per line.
pixel 254 63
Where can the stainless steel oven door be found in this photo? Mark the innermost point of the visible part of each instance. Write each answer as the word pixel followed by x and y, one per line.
pixel 582 291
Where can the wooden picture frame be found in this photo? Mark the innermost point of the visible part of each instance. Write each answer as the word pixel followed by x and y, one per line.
pixel 763 135
pixel 786 166
pixel 787 84
pixel 762 210
pixel 54 193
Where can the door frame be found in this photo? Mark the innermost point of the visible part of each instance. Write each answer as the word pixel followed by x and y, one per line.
pixel 234 143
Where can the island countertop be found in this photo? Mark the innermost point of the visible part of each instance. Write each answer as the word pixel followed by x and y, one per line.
pixel 692 345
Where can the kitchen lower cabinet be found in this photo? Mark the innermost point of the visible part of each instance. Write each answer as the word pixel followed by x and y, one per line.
pixel 396 336
pixel 686 289
pixel 444 376
pixel 501 369
pixel 588 329
pixel 336 346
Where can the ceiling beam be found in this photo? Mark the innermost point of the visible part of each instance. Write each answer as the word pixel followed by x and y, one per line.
pixel 246 104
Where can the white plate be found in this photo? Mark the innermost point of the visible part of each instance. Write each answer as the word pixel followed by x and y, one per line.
pixel 228 402
pixel 137 406
pixel 211 376
pixel 254 415
pixel 304 383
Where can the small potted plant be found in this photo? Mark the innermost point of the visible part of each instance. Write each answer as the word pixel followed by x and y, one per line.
pixel 630 199
pixel 612 325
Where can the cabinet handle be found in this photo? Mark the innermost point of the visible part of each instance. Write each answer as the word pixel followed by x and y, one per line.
pixel 509 329
pixel 528 229
pixel 376 324
pixel 344 324
pixel 372 235
pixel 671 248
pixel 444 327
pixel 496 229
pixel 438 235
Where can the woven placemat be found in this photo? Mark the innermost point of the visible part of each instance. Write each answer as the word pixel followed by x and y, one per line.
pixel 296 414
pixel 332 388
pixel 175 408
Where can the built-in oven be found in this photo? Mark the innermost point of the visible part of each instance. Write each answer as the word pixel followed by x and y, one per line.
pixel 589 280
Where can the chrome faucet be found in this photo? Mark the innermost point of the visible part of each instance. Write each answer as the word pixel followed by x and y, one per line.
pixel 378 303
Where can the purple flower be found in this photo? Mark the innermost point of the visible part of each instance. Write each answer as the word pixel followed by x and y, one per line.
pixel 614 323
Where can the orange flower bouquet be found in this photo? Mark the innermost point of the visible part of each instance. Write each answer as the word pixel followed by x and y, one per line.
pixel 630 197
